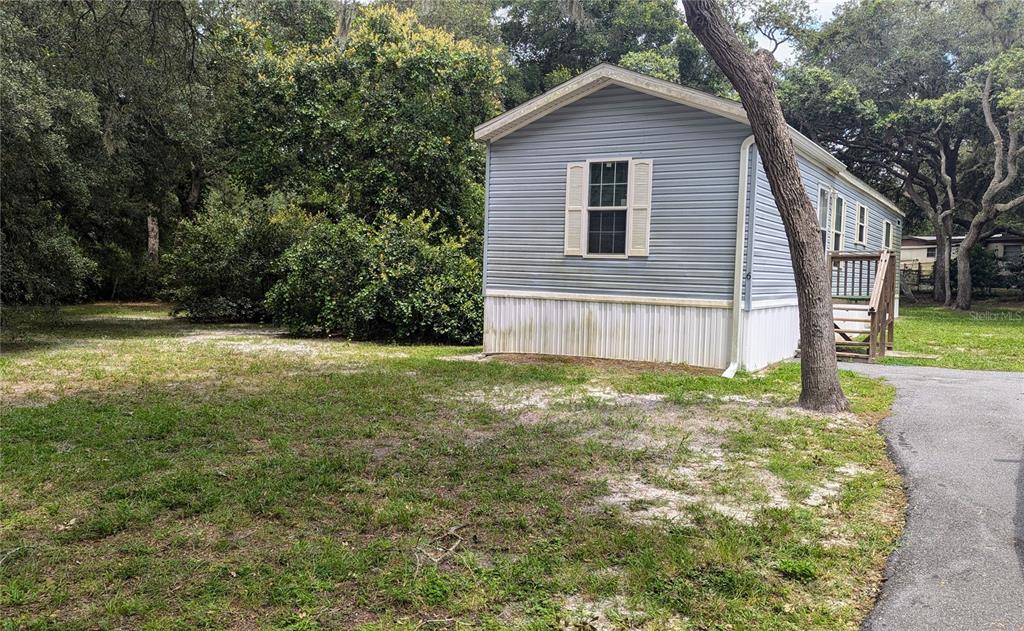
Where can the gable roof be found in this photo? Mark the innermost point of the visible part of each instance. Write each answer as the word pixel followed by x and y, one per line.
pixel 604 75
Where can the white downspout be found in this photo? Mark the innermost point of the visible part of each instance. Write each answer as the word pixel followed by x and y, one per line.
pixel 737 273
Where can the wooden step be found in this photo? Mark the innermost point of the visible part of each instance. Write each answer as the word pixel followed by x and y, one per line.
pixel 850 306
pixel 851 343
pixel 849 319
pixel 854 356
pixel 854 331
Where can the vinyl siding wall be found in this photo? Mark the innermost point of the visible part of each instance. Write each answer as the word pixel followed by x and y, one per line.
pixel 671 305
pixel 771 271
pixel 693 211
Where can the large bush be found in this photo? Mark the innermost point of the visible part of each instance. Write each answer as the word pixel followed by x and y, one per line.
pixel 385 125
pixel 395 279
pixel 43 263
pixel 224 259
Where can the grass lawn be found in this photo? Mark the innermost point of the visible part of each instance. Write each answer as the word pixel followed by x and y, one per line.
pixel 159 474
pixel 990 337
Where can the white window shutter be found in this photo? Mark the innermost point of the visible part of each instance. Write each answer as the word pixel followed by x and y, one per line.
pixel 641 174
pixel 575 194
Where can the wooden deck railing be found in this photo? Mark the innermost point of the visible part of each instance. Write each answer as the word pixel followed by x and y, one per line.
pixel 853 274
pixel 864 298
pixel 882 307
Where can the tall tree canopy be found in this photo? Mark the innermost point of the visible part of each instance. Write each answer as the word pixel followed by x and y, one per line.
pixel 895 88
pixel 121 117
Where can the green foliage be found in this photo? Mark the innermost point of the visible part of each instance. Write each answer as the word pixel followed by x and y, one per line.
pixel 653 63
pixel 803 570
pixel 557 76
pixel 105 115
pixel 224 258
pixel 385 124
pixel 816 98
pixel 42 123
pixel 43 262
pixel 409 124
pixel 780 21
pixel 472 20
pixel 985 271
pixel 895 89
pixel 544 36
pixel 396 279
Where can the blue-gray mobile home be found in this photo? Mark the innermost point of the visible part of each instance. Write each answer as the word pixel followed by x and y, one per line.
pixel 630 218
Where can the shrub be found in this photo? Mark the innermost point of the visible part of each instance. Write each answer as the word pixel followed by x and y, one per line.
pixel 43 263
pixel 397 279
pixel 985 274
pixel 224 259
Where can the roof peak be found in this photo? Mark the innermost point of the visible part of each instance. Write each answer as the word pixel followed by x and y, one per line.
pixel 605 74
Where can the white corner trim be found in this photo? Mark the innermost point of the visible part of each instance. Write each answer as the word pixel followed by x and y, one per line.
pixel 615 299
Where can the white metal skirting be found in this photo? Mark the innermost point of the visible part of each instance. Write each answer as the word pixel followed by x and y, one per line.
pixel 769 335
pixel 694 335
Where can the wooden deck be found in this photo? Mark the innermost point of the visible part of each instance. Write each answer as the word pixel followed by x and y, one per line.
pixel 863 303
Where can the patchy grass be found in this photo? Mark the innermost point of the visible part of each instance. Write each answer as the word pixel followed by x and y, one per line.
pixel 159 474
pixel 989 337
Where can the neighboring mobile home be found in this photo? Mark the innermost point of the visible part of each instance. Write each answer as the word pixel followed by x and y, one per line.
pixel 625 213
pixel 919 251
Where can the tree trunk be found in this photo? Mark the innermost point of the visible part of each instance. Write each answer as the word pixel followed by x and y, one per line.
pixel 940 273
pixel 752 77
pixel 191 197
pixel 153 242
pixel 963 270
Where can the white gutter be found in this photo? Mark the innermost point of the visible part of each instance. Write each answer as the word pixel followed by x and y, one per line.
pixel 737 273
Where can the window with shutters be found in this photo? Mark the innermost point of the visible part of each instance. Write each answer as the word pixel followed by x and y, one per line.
pixel 607 205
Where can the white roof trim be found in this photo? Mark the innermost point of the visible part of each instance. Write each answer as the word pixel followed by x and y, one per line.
pixel 607 74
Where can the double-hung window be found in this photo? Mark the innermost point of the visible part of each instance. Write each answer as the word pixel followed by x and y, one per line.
pixel 862 224
pixel 607 205
pixel 887 235
pixel 838 221
pixel 824 195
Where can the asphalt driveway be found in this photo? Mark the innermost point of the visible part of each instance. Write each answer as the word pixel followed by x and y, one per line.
pixel 958 438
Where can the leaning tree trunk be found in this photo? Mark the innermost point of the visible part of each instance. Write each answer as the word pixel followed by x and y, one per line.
pixel 752 77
